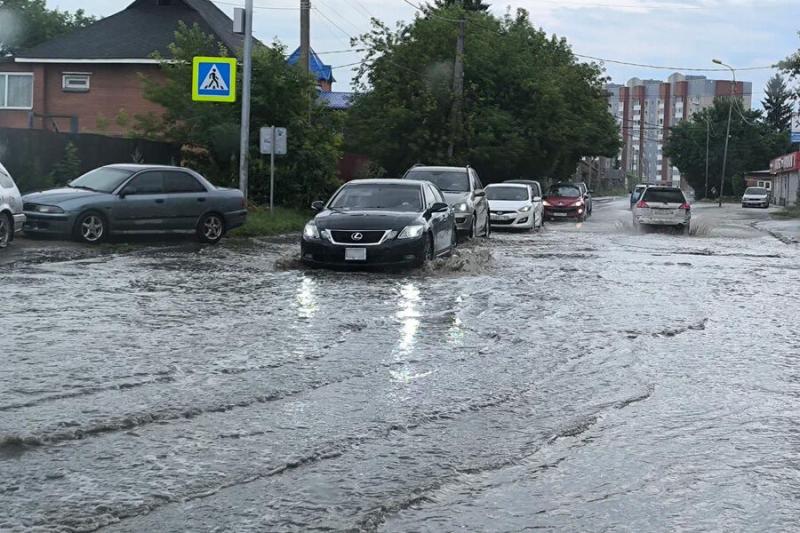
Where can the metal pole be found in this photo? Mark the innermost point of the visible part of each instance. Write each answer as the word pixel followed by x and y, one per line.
pixel 305 39
pixel 244 135
pixel 272 172
pixel 728 131
pixel 708 129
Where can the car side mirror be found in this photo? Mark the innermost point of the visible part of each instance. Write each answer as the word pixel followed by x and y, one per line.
pixel 127 191
pixel 439 207
pixel 318 205
pixel 537 199
pixel 479 193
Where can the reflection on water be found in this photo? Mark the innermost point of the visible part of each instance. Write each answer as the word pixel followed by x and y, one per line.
pixel 408 315
pixel 306 299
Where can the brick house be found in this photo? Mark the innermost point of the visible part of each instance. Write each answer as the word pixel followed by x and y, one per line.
pixel 90 80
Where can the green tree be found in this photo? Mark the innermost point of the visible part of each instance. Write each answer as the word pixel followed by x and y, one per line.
pixel 468 5
pixel 529 107
pixel 777 104
pixel 751 145
pixel 282 95
pixel 791 67
pixel 26 23
pixel 69 167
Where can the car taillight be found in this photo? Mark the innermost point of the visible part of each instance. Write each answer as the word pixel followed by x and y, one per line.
pixel 685 206
pixel 642 204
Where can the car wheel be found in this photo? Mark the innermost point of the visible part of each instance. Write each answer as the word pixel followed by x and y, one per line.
pixel 91 228
pixel 427 252
pixel 6 230
pixel 211 228
pixel 473 231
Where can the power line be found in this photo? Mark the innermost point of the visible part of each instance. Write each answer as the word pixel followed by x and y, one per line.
pixel 323 15
pixel 662 67
pixel 337 14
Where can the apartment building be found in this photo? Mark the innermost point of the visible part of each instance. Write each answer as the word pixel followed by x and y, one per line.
pixel 646 109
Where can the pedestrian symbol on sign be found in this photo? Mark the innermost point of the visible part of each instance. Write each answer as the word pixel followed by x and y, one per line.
pixel 214 79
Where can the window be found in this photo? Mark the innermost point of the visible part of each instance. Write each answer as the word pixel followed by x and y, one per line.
pixel 146 183
pixel 16 90
pixel 5 180
pixel 181 182
pixel 75 82
pixel 429 197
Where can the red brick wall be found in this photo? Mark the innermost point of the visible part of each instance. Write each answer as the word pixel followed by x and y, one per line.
pixel 115 91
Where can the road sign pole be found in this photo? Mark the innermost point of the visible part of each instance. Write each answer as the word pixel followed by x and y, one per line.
pixel 244 146
pixel 272 172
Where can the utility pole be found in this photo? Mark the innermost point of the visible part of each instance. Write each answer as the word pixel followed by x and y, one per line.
pixel 244 146
pixel 305 39
pixel 728 131
pixel 708 128
pixel 458 90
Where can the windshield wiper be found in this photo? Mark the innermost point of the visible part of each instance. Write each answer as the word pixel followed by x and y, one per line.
pixel 84 187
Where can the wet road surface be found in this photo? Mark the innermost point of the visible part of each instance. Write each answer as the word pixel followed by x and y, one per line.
pixel 584 378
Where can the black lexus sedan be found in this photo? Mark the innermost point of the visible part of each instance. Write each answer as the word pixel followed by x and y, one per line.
pixel 380 223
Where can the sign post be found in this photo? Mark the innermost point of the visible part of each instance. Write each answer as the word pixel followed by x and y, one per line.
pixel 795 128
pixel 273 142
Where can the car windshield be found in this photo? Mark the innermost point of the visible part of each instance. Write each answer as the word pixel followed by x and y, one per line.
pixel 756 190
pixel 392 197
pixel 104 179
pixel 446 180
pixel 507 193
pixel 666 196
pixel 569 191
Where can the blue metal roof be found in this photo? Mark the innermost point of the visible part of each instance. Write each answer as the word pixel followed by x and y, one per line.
pixel 336 100
pixel 315 64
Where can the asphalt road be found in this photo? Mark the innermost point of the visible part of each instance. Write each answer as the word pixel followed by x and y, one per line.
pixel 584 378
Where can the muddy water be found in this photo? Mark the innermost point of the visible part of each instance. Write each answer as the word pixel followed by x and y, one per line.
pixel 584 378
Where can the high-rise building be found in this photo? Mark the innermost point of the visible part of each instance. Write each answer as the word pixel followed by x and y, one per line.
pixel 645 111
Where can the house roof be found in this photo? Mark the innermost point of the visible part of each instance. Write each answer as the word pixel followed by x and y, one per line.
pixel 322 71
pixel 336 100
pixel 135 33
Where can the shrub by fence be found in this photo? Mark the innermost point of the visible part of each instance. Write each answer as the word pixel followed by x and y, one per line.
pixel 34 157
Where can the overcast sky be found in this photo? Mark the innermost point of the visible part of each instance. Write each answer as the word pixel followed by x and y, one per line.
pixel 680 33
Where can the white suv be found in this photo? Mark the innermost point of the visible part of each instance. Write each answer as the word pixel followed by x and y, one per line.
pixel 11 217
pixel 662 206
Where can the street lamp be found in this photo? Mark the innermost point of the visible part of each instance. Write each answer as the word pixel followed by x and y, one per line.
pixel 728 132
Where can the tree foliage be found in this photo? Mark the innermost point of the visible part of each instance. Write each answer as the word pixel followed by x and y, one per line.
pixel 26 23
pixel 778 104
pixel 791 66
pixel 283 96
pixel 752 144
pixel 529 109
pixel 468 5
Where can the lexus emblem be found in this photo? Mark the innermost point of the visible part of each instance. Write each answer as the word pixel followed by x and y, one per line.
pixel 356 236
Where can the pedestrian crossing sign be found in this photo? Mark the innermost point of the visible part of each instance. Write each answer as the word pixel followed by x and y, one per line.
pixel 214 79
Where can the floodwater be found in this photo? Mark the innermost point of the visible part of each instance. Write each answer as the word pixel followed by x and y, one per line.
pixel 584 379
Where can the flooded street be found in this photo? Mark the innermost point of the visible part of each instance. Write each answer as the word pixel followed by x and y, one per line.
pixel 582 378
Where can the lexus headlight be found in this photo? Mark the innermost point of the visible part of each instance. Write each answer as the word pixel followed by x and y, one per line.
pixel 525 209
pixel 51 209
pixel 579 203
pixel 463 207
pixel 310 231
pixel 411 232
pixel 545 203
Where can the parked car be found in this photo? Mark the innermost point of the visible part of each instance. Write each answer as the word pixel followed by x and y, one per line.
pixel 564 201
pixel 663 206
pixel 463 191
pixel 586 193
pixel 756 197
pixel 134 199
pixel 636 193
pixel 514 206
pixel 380 223
pixel 12 218
pixel 538 196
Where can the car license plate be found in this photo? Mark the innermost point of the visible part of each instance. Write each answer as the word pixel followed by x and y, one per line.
pixel 559 214
pixel 355 254
pixel 663 212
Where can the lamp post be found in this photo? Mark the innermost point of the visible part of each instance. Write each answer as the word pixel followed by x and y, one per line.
pixel 728 132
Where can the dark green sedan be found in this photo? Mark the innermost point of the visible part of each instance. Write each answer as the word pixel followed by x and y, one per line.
pixel 119 199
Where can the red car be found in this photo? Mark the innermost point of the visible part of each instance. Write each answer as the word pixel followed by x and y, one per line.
pixel 564 201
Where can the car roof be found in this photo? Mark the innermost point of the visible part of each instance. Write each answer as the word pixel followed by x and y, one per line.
pixel 665 188
pixel 508 184
pixel 408 183
pixel 136 167
pixel 437 169
pixel 527 182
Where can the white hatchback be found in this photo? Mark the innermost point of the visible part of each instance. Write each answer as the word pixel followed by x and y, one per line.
pixel 662 206
pixel 514 205
pixel 11 217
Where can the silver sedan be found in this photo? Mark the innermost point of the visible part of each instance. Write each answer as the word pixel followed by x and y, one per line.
pixel 11 216
pixel 135 199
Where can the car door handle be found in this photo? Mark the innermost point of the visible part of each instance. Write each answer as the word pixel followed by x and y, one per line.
pixel 160 201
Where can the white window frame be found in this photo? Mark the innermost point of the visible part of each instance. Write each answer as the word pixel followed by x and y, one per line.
pixel 5 76
pixel 66 87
